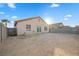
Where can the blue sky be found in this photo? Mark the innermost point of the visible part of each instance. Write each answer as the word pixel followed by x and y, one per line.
pixel 67 13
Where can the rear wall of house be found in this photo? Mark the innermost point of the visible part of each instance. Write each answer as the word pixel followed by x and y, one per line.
pixel 21 26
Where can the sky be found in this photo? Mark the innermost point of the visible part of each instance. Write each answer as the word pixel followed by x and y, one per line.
pixel 67 13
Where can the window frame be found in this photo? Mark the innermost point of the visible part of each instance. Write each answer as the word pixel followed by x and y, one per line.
pixel 28 27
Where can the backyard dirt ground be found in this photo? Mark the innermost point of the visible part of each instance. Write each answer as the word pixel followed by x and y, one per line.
pixel 44 44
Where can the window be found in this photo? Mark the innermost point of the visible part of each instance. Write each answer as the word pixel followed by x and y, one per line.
pixel 45 28
pixel 28 27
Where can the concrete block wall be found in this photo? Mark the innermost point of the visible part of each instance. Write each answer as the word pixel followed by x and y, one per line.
pixel 65 30
pixel 4 33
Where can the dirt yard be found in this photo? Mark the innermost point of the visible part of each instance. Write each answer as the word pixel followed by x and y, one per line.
pixel 47 44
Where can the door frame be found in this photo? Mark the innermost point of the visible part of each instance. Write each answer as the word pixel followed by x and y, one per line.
pixel 38 28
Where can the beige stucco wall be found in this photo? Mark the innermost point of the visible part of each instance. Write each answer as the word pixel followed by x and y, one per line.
pixel 4 34
pixel 21 26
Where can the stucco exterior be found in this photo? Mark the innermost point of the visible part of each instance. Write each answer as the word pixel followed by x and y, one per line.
pixel 34 22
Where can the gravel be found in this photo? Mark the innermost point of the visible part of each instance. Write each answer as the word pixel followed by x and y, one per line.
pixel 47 44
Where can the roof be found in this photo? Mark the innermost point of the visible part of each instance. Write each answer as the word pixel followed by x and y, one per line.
pixel 28 19
pixel 56 24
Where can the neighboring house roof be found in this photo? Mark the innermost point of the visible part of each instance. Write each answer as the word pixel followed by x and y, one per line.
pixel 28 19
pixel 67 26
pixel 77 26
pixel 57 24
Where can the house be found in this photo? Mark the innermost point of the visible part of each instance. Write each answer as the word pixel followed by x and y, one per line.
pixel 56 25
pixel 34 24
pixel 3 32
pixel 77 27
